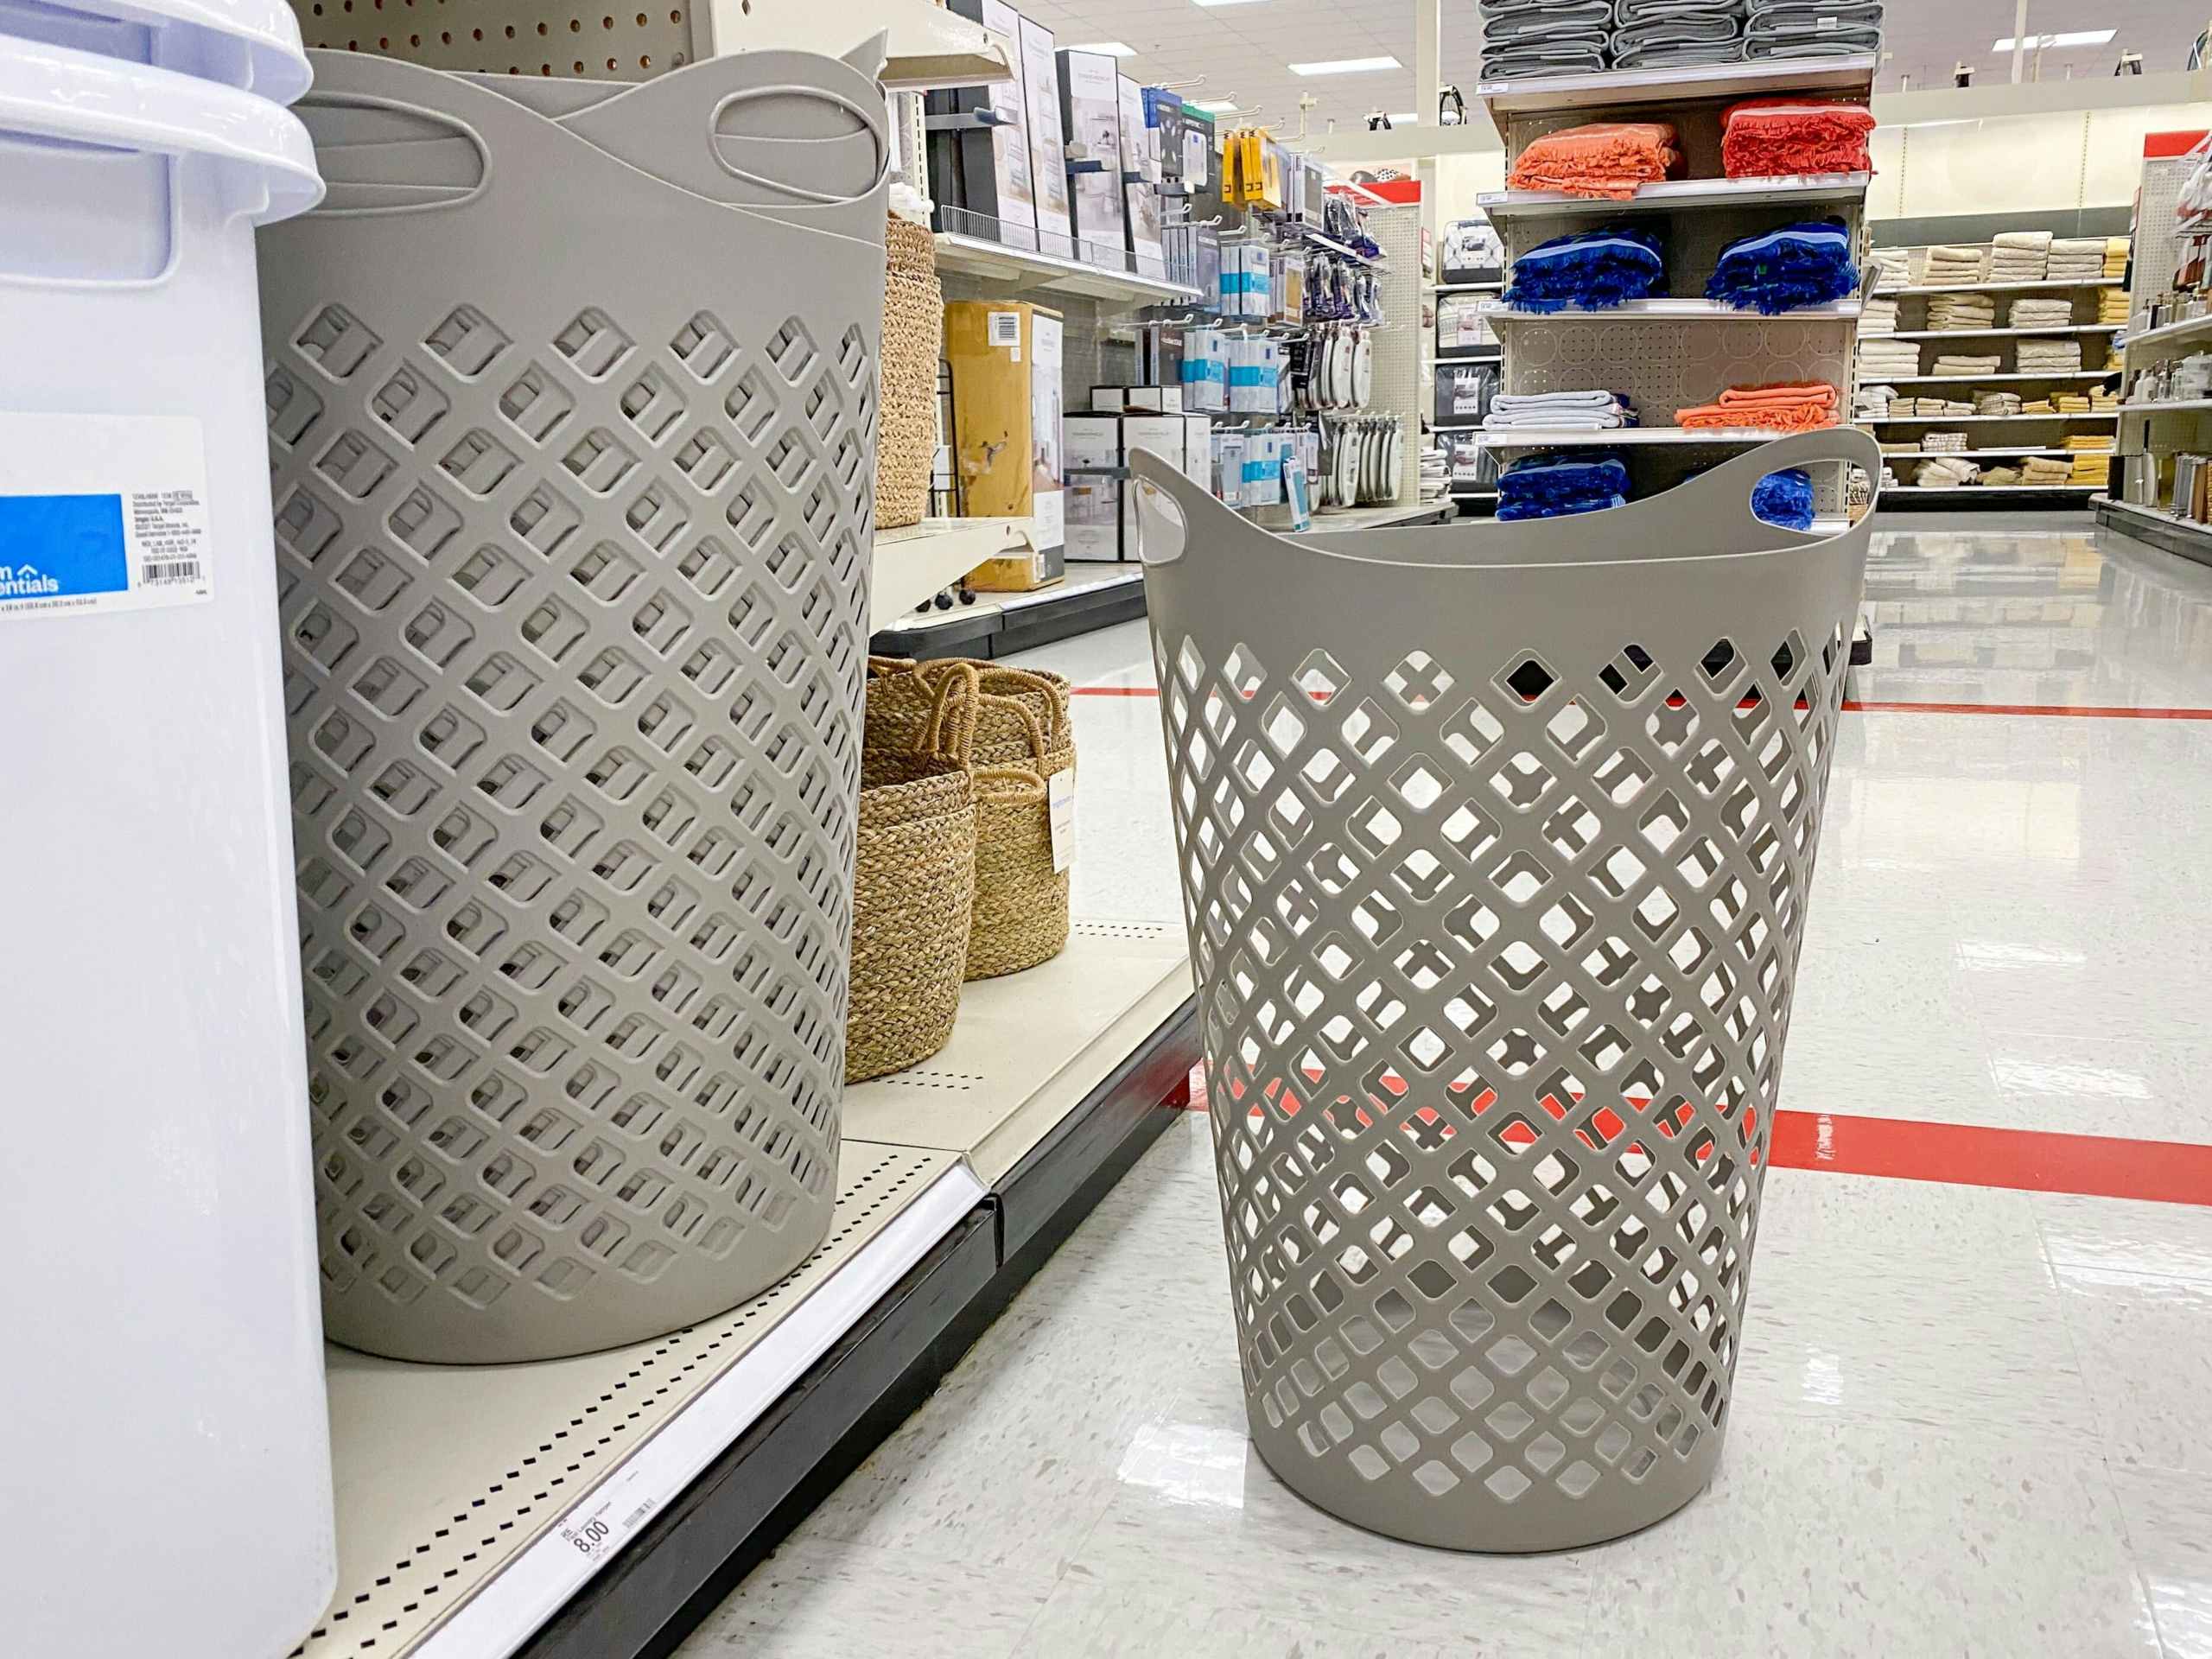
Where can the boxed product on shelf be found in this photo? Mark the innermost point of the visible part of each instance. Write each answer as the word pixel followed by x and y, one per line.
pixel 1227 465
pixel 1164 114
pixel 1257 375
pixel 1205 368
pixel 1090 121
pixel 1048 161
pixel 981 176
pixel 1093 487
pixel 1140 183
pixel 1153 400
pixel 1005 357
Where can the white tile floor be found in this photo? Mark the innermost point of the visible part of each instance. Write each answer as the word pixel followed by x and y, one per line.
pixel 1968 1420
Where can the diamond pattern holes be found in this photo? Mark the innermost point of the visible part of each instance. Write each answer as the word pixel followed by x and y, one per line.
pixel 1495 961
pixel 568 810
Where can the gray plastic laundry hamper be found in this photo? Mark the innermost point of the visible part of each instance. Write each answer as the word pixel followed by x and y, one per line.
pixel 572 410
pixel 1495 843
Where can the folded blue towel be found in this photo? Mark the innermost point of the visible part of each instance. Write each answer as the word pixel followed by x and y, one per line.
pixel 1780 271
pixel 1784 499
pixel 1591 270
pixel 1560 482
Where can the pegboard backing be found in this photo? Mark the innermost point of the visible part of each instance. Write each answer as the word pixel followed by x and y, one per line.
pixel 1666 364
pixel 2157 253
pixel 516 37
pixel 1401 389
pixel 1692 237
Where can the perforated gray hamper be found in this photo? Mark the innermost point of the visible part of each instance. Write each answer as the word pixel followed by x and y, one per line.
pixel 1495 843
pixel 572 409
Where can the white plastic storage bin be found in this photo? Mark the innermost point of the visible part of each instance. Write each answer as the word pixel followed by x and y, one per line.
pixel 167 1473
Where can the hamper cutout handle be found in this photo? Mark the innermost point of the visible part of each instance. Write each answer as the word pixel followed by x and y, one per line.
pixel 1733 481
pixel 1168 506
pixel 869 124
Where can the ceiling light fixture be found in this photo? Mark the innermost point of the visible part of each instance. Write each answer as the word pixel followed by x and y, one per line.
pixel 1217 106
pixel 1405 120
pixel 1224 2
pixel 2076 37
pixel 1109 48
pixel 1345 67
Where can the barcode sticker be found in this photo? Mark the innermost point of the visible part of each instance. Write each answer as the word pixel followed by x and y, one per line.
pixel 1059 798
pixel 597 1527
pixel 102 512
pixel 1004 330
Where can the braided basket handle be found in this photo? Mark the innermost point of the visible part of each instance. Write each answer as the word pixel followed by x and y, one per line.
pixel 951 731
pixel 1001 682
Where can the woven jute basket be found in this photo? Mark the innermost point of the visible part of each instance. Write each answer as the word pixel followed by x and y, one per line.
pixel 913 888
pixel 913 331
pixel 902 694
pixel 1021 902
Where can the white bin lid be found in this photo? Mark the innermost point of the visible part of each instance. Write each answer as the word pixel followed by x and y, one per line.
pixel 267 29
pixel 56 92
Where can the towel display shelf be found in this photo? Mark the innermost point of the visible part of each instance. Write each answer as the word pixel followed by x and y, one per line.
pixel 1803 190
pixel 2162 341
pixel 1995 288
pixel 1628 88
pixel 2003 334
pixel 1497 311
pixel 1961 420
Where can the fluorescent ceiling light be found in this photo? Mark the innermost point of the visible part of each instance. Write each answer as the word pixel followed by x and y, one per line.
pixel 1406 120
pixel 1345 67
pixel 1224 3
pixel 1217 106
pixel 2077 37
pixel 1111 48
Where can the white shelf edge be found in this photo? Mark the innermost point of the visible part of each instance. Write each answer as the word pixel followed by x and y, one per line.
pixel 927 558
pixel 2156 515
pixel 1681 193
pixel 1997 333
pixel 1670 310
pixel 1626 436
pixel 1924 420
pixel 1463 288
pixel 1972 454
pixel 502 1614
pixel 2171 331
pixel 1996 288
pixel 2179 405
pixel 1534 95
pixel 976 256
pixel 1989 489
pixel 1988 379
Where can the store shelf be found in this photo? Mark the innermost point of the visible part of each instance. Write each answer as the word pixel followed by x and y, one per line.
pixel 911 564
pixel 1472 493
pixel 1997 288
pixel 1947 420
pixel 1539 95
pixel 1999 333
pixel 1491 287
pixel 1634 437
pixel 1971 454
pixel 1088 597
pixel 1469 354
pixel 1805 188
pixel 1989 379
pixel 973 255
pixel 2156 526
pixel 2175 406
pixel 1418 513
pixel 1979 490
pixel 2173 333
pixel 1330 244
pixel 462 1488
pixel 1497 312
pixel 927 46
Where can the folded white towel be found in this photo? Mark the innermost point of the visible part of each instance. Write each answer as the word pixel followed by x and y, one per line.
pixel 1533 402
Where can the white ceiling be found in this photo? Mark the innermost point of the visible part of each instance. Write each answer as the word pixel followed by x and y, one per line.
pixel 1243 51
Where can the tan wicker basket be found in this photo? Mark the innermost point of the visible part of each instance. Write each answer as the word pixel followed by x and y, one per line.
pixel 898 711
pixel 1021 902
pixel 913 332
pixel 913 888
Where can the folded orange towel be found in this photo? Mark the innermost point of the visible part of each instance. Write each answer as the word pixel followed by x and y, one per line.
pixel 1784 407
pixel 1768 137
pixel 1606 160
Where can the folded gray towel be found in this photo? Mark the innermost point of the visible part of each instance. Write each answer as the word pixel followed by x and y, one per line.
pixel 1545 58
pixel 1638 11
pixel 1675 31
pixel 1844 11
pixel 1692 56
pixel 1842 43
pixel 1589 16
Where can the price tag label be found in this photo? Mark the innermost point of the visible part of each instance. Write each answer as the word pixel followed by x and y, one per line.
pixel 598 1526
pixel 1059 797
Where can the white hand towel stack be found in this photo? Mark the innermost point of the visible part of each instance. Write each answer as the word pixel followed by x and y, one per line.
pixel 2046 311
pixel 1892 268
pixel 2077 259
pixel 1944 443
pixel 1873 402
pixel 1888 359
pixel 1960 363
pixel 1945 474
pixel 1997 402
pixel 1576 411
pixel 2021 256
pixel 1948 311
pixel 2051 356
pixel 1955 265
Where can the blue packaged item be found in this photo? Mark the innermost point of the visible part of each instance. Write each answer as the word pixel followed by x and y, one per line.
pixel 1590 270
pixel 1784 499
pixel 1557 483
pixel 1775 271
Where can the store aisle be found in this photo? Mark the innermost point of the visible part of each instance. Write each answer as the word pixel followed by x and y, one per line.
pixel 1968 1413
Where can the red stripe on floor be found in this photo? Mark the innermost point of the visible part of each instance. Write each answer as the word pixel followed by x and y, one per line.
pixel 1959 1155
pixel 1852 706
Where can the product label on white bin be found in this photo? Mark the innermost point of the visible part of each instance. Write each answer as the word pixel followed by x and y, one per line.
pixel 1059 796
pixel 102 512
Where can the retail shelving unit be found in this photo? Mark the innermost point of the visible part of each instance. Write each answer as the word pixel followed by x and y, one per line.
pixel 2009 436
pixel 2156 424
pixel 1672 352
pixel 922 559
pixel 576 1509
pixel 1017 270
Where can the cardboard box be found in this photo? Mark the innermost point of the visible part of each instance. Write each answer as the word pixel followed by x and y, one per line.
pixel 1048 161
pixel 1141 194
pixel 981 176
pixel 1019 573
pixel 1006 361
pixel 1090 117
pixel 1151 400
pixel 1094 499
